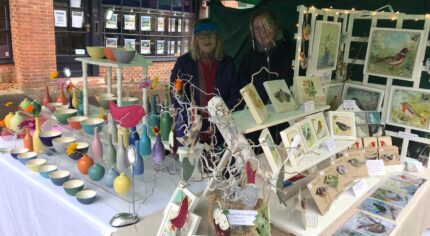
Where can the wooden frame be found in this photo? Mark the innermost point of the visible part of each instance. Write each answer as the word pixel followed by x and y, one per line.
pixel 370 93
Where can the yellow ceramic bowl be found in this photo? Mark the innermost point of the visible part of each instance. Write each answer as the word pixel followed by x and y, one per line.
pixel 96 52
pixel 35 164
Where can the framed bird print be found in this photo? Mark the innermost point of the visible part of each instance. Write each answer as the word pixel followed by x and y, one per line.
pixel 280 95
pixel 287 136
pixel 367 97
pixel 409 108
pixel 326 45
pixel 394 53
pixel 333 92
pixel 307 132
pixel 255 104
pixel 320 126
pixel 167 228
pixel 342 125
pixel 270 150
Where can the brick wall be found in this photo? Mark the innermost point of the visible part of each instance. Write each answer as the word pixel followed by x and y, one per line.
pixel 7 73
pixel 160 69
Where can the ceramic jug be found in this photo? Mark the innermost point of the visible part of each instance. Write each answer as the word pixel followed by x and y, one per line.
pixel 110 154
pixel 84 163
pixel 109 177
pixel 166 119
pixel 61 98
pixel 122 184
pixel 144 142
pixel 138 165
pixel 28 140
pixel 153 119
pixel 112 129
pixel 37 144
pixel 96 172
pixel 158 150
pixel 46 97
pixel 7 119
pixel 16 120
pixel 121 158
pixel 24 104
pixel 97 146
pixel 133 137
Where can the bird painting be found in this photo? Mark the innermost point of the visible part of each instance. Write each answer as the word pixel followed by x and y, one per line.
pixel 342 126
pixel 408 110
pixel 127 116
pixel 373 226
pixel 282 96
pixel 396 59
pixel 320 129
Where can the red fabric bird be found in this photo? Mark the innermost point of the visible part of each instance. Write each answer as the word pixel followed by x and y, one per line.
pixel 127 116
pixel 250 173
pixel 397 59
pixel 179 220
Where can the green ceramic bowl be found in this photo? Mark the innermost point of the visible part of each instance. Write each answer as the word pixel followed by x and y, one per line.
pixel 104 99
pixel 86 196
pixel 89 124
pixel 63 114
pixel 46 169
pixel 129 101
pixel 73 186
pixel 96 52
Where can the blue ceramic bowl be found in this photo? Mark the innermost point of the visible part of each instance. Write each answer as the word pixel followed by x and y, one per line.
pixel 58 177
pixel 16 151
pixel 86 196
pixel 90 123
pixel 26 156
pixel 81 149
pixel 47 136
pixel 46 169
pixel 61 143
pixel 73 186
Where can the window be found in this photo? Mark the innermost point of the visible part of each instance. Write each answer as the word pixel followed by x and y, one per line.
pixel 5 34
pixel 159 29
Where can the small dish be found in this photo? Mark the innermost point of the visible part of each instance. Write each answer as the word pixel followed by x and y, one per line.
pixel 86 196
pixel 14 152
pixel 47 136
pixel 46 169
pixel 35 164
pixel 73 186
pixel 58 177
pixel 26 156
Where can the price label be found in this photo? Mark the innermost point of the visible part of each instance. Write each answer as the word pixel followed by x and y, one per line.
pixel 331 145
pixel 80 51
pixel 349 104
pixel 309 106
pixel 359 188
pixel 241 217
pixel 375 167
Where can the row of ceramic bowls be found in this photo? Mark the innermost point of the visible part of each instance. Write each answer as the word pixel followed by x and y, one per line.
pixel 120 55
pixel 70 117
pixel 73 187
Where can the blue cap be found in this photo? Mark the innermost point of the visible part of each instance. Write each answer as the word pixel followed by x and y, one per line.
pixel 207 26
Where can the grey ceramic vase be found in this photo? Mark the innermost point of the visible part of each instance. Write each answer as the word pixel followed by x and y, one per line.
pixel 121 158
pixel 112 129
pixel 109 177
pixel 110 153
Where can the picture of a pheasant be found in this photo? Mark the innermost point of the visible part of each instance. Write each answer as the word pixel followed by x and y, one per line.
pixel 395 60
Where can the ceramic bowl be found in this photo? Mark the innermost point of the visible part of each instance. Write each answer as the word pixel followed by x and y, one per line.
pixel 45 170
pixel 90 123
pixel 86 196
pixel 47 136
pixel 63 114
pixel 73 186
pixel 109 54
pixel 129 101
pixel 60 144
pixel 95 52
pixel 123 56
pixel 104 99
pixel 54 105
pixel 14 152
pixel 62 107
pixel 75 121
pixel 35 164
pixel 58 177
pixel 81 149
pixel 5 150
pixel 25 157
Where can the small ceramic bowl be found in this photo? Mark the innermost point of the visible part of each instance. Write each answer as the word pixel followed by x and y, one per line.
pixel 81 149
pixel 26 156
pixel 95 52
pixel 5 150
pixel 109 54
pixel 14 152
pixel 89 124
pixel 47 136
pixel 73 186
pixel 62 107
pixel 53 106
pixel 35 164
pixel 86 196
pixel 123 56
pixel 129 101
pixel 58 177
pixel 63 114
pixel 75 121
pixel 45 170
pixel 61 143
pixel 104 99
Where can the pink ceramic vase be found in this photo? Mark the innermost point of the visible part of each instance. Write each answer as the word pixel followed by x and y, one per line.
pixel 97 147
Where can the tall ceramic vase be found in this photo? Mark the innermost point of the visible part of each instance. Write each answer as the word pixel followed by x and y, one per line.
pixel 28 140
pixel 121 158
pixel 75 99
pixel 97 147
pixel 138 165
pixel 112 129
pixel 61 97
pixel 166 119
pixel 46 97
pixel 37 144
pixel 158 150
pixel 133 136
pixel 144 142
pixel 153 119
pixel 124 133
pixel 110 153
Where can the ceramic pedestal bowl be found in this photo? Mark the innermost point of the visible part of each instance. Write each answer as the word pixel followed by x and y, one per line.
pixel 109 54
pixel 129 101
pixel 47 136
pixel 81 149
pixel 54 105
pixel 16 151
pixel 63 114
pixel 89 124
pixel 95 52
pixel 35 164
pixel 86 196
pixel 73 186
pixel 75 121
pixel 25 157
pixel 104 99
pixel 123 55
pixel 58 177
pixel 45 170
pixel 60 144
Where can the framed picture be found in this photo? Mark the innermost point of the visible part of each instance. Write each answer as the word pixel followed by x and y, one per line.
pixel 288 135
pixel 60 18
pixel 342 125
pixel 179 195
pixel 160 46
pixel 409 108
pixel 307 132
pixel 113 22
pixel 145 23
pixel 366 98
pixel 255 104
pixel 280 95
pixel 179 25
pixel 270 150
pixel 419 151
pixel 172 24
pixel 320 126
pixel 160 24
pixel 308 89
pixel 185 46
pixel 326 45
pixel 145 46
pixel 394 53
pixel 167 229
pixel 129 22
pixel 111 42
pixel 172 47
pixel 333 92
pixel 131 42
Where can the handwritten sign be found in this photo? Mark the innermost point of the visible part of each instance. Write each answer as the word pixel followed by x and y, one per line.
pixel 359 188
pixel 349 104
pixel 309 106
pixel 331 145
pixel 375 167
pixel 241 217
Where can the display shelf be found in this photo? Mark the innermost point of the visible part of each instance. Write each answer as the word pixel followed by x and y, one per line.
pixel 109 63
pixel 282 219
pixel 246 123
